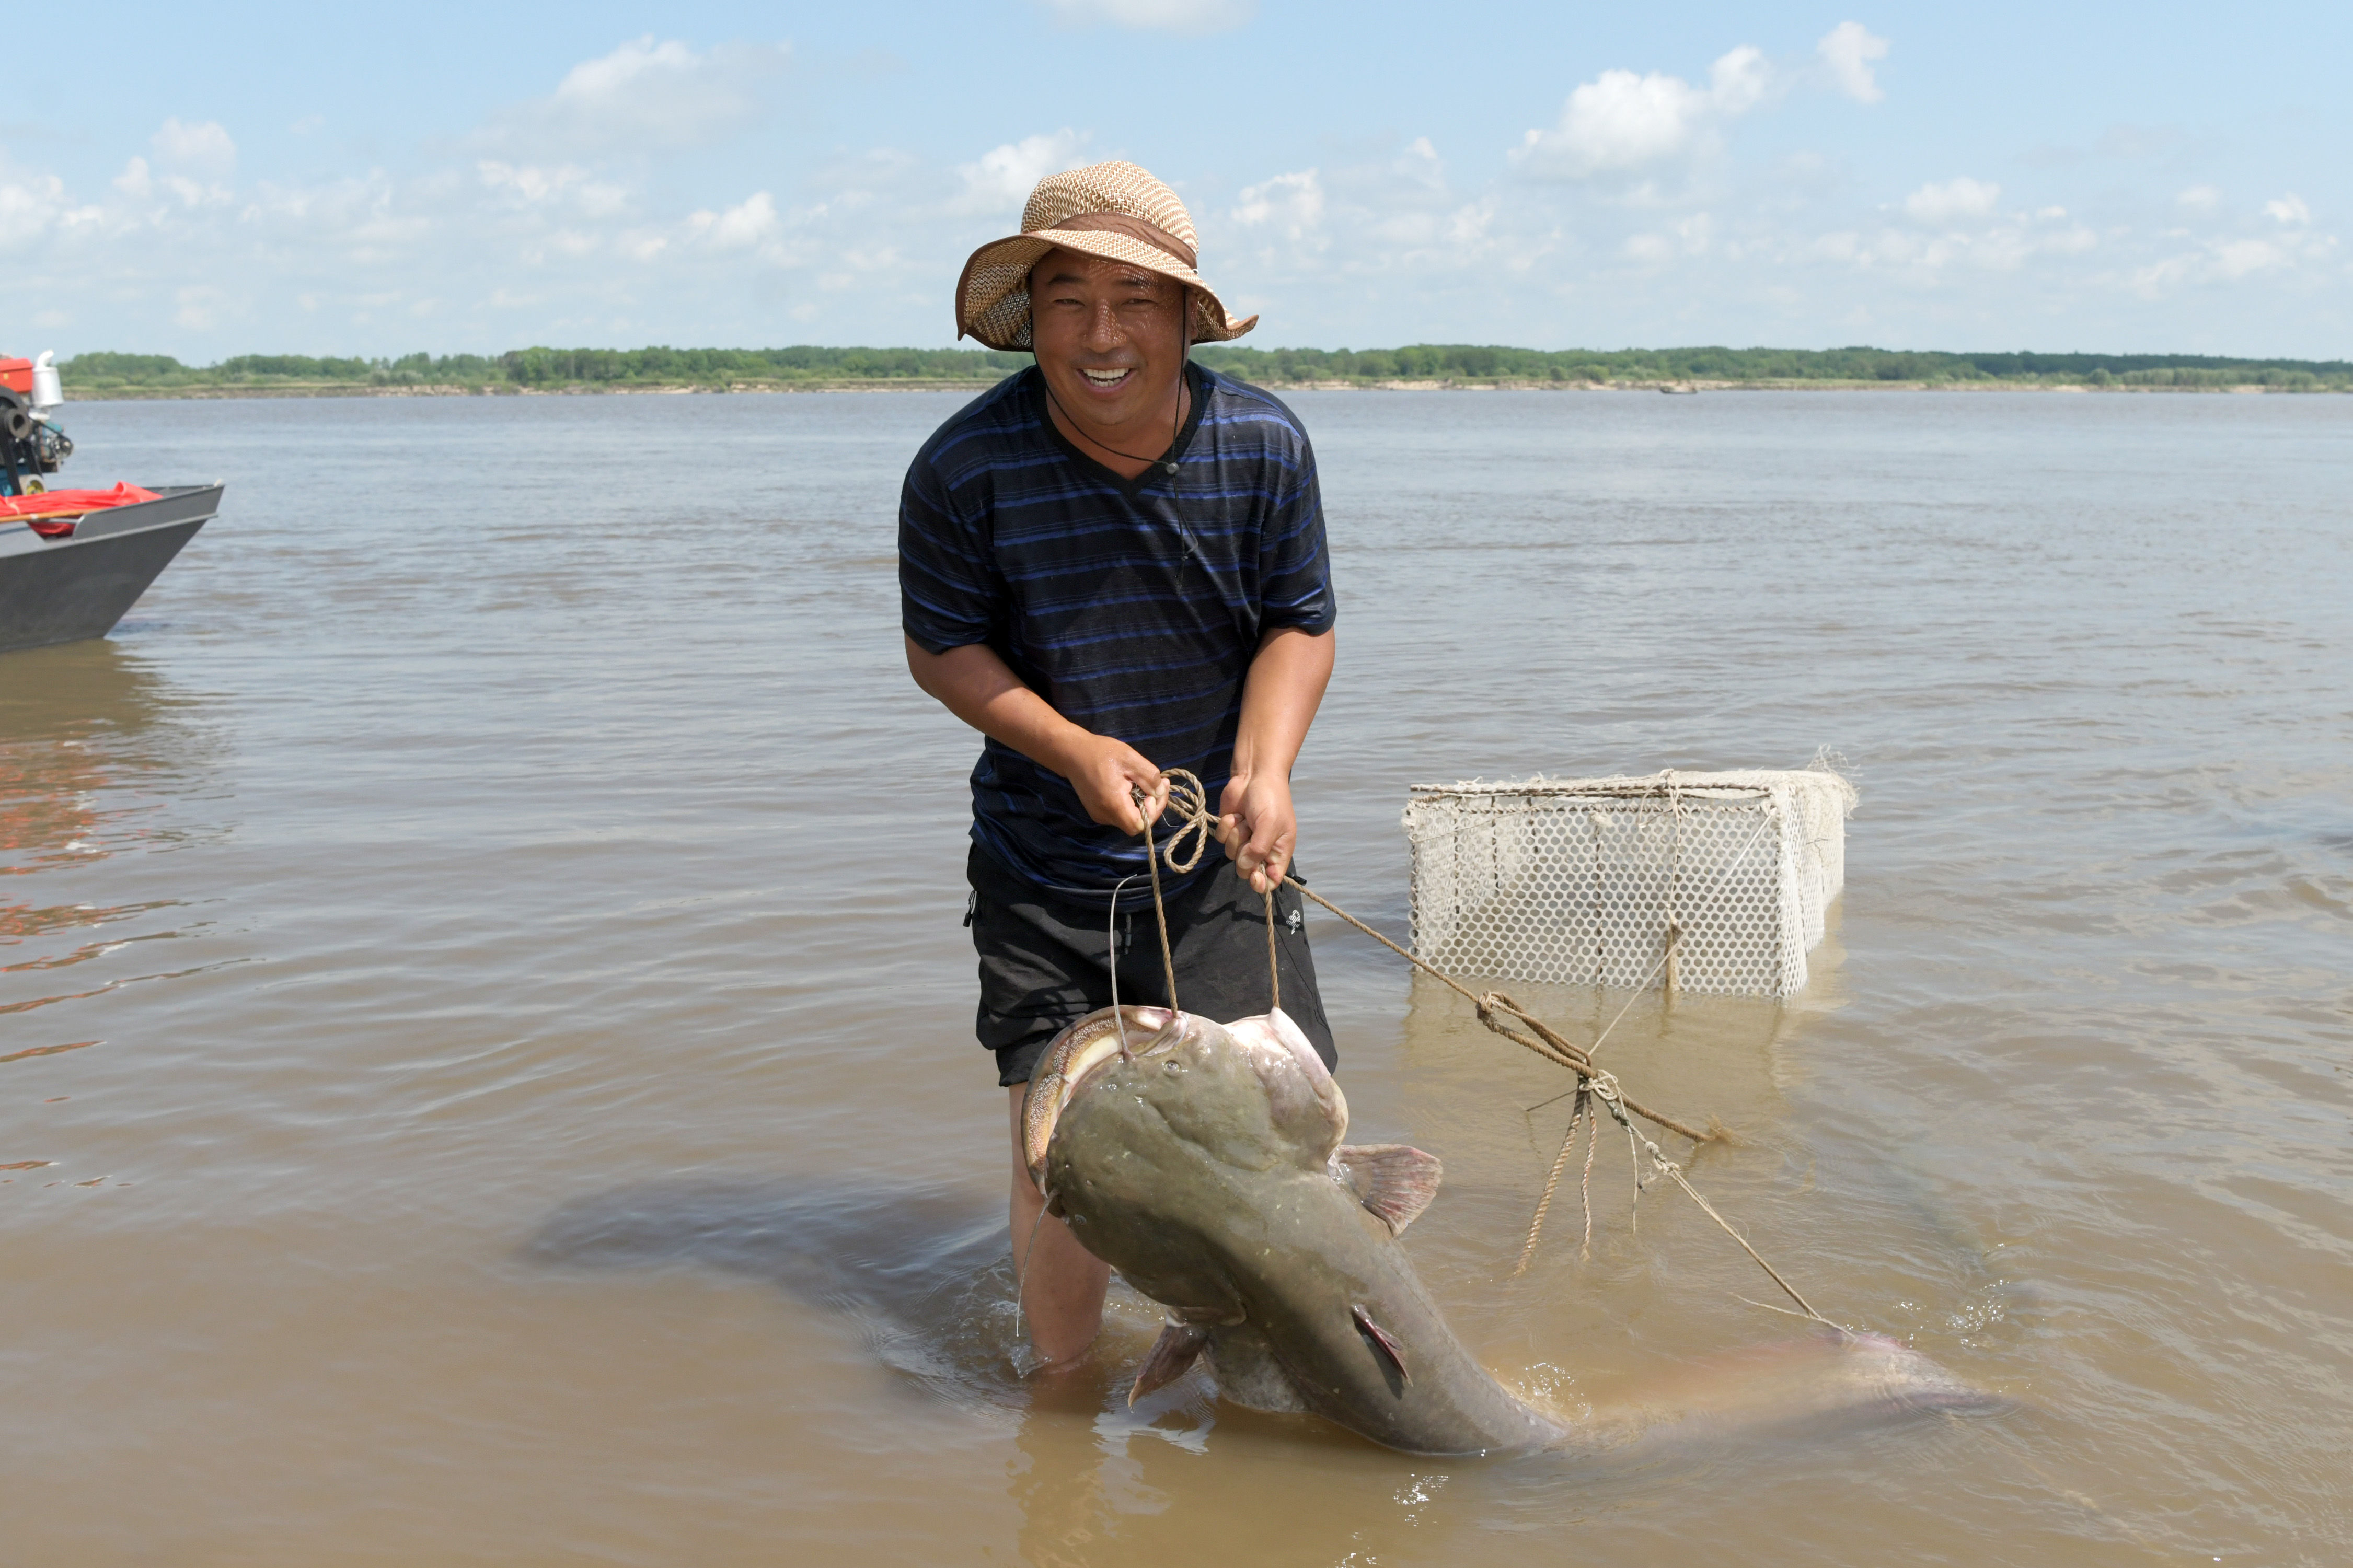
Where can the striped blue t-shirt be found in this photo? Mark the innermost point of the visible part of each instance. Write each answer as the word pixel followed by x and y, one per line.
pixel 1132 607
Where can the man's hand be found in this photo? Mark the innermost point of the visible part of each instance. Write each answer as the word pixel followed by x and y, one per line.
pixel 1107 773
pixel 1256 824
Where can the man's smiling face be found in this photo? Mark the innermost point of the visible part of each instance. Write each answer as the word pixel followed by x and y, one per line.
pixel 1109 338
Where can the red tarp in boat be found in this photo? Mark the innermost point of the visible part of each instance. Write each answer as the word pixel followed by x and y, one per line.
pixel 66 505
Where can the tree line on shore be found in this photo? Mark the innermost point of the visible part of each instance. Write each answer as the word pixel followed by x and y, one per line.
pixel 557 370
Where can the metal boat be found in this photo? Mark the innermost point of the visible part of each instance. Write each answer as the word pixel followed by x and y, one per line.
pixel 67 576
pixel 79 585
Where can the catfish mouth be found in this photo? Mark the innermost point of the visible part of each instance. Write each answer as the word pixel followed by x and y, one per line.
pixel 1301 1093
pixel 1109 1034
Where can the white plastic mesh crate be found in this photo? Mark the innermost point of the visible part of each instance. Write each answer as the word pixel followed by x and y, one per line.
pixel 1576 881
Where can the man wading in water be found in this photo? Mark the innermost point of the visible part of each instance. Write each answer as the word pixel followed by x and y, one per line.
pixel 1111 565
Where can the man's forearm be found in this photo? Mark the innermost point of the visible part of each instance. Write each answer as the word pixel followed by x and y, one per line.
pixel 980 688
pixel 1280 696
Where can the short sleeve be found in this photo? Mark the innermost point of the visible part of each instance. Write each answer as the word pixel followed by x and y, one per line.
pixel 949 591
pixel 1294 568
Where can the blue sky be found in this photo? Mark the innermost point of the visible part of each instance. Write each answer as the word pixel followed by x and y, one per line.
pixel 259 177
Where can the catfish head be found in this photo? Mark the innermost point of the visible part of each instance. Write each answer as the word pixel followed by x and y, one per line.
pixel 1253 1094
pixel 1205 1163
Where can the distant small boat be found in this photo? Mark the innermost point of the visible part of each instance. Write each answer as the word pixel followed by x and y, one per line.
pixel 72 561
pixel 1680 391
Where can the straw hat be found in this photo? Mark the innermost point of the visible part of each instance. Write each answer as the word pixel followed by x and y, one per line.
pixel 1113 210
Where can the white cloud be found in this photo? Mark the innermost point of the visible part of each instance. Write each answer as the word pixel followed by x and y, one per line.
pixel 533 185
pixel 1291 206
pixel 1691 236
pixel 1003 176
pixel 646 96
pixel 1619 121
pixel 1739 81
pixel 141 182
pixel 32 205
pixel 609 80
pixel 204 147
pixel 528 232
pixel 2237 257
pixel 1953 202
pixel 2294 254
pixel 1157 16
pixel 747 223
pixel 1847 50
pixel 1931 260
pixel 1392 215
pixel 1420 163
pixel 1469 227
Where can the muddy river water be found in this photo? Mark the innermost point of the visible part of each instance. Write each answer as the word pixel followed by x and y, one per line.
pixel 479 958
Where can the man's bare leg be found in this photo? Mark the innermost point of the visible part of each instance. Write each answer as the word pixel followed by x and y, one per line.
pixel 1063 1285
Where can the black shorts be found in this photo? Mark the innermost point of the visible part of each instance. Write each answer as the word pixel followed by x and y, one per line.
pixel 1045 964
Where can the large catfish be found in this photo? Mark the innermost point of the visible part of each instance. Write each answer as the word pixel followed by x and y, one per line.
pixel 1205 1163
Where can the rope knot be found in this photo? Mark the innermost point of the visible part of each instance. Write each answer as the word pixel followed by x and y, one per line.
pixel 1189 803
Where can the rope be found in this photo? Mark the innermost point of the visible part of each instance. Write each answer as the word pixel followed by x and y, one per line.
pixel 1585 1182
pixel 1548 1042
pixel 1190 802
pixel 1552 1184
pixel 1187 798
pixel 1273 971
pixel 1159 909
pixel 1661 1165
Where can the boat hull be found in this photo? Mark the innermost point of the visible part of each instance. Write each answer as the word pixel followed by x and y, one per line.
pixel 64 590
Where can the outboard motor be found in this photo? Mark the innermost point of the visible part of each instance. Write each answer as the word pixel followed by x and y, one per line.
pixel 31 445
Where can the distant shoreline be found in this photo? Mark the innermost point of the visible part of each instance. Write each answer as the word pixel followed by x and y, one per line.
pixel 200 392
pixel 661 371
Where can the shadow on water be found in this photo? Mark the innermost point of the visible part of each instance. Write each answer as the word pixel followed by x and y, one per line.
pixel 923 1272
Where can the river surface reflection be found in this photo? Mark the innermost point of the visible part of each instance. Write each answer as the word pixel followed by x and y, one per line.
pixel 485 1057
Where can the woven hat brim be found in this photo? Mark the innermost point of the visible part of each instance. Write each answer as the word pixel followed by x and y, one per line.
pixel 993 301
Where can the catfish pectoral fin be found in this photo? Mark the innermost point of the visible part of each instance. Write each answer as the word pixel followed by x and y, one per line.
pixel 1171 1355
pixel 1382 1342
pixel 1393 1180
